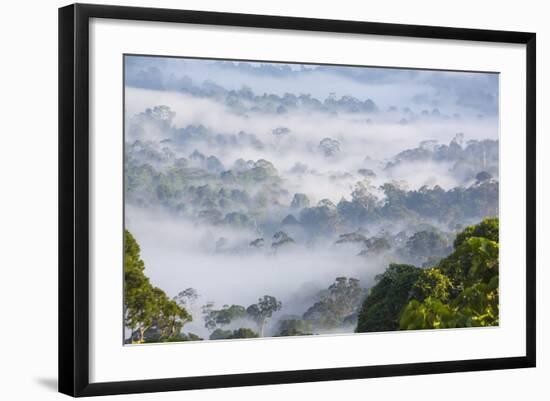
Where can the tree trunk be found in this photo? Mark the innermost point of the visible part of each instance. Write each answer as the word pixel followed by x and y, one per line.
pixel 141 335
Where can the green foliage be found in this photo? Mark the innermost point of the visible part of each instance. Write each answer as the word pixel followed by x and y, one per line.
pixel 474 260
pixel 351 238
pixel 432 283
pixel 299 201
pixel 214 318
pixel 235 219
pixel 154 336
pixel 460 291
pixel 338 305
pixel 454 205
pixel 199 188
pixel 424 244
pixel 147 308
pixel 431 313
pixel 375 246
pixel 189 337
pixel 382 307
pixel 488 228
pixel 220 334
pixel 321 219
pixel 262 170
pixel 476 306
pixel 263 310
pixel 294 327
pixel 243 332
pixel 187 297
pixel 280 239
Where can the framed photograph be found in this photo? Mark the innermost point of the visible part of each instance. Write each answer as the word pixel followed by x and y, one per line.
pixel 251 199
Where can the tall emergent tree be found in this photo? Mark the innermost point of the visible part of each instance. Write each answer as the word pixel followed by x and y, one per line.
pixel 263 310
pixel 338 305
pixel 147 307
pixel 218 318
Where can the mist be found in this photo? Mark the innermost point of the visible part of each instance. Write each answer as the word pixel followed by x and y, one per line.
pixel 245 180
pixel 179 255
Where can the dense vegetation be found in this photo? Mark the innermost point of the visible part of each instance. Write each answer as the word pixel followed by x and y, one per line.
pixel 266 213
pixel 460 291
pixel 201 187
pixel 148 312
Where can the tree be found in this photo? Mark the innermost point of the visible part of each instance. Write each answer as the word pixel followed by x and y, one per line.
pixel 375 246
pixel 338 305
pixel 321 219
pixel 145 306
pixel 363 205
pixel 483 176
pixel 281 238
pixel 220 334
pixel 460 291
pixel 243 332
pixel 299 201
pixel 262 170
pixel 463 290
pixel 170 318
pixel 432 283
pixel 187 337
pixel 138 299
pixel 290 220
pixel 214 318
pixel 187 297
pixel 294 327
pixel 382 307
pixel 474 307
pixel 367 172
pixel 263 310
pixel 236 219
pixel 427 243
pixel 488 228
pixel 329 146
pixel 348 238
pixel 257 243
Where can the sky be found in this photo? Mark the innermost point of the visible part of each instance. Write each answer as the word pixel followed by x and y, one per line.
pixel 464 93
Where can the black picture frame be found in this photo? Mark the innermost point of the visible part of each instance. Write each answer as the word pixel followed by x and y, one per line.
pixel 74 198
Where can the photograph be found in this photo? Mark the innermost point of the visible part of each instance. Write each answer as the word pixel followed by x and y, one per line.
pixel 277 199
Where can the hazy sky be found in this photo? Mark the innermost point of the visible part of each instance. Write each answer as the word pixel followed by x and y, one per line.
pixel 452 92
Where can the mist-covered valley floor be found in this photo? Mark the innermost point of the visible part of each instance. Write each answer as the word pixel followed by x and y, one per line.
pixel 269 199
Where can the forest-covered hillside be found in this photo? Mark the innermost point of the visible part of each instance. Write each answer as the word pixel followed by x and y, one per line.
pixel 281 200
pixel 461 290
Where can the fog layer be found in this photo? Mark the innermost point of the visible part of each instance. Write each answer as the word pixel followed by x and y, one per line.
pixel 252 179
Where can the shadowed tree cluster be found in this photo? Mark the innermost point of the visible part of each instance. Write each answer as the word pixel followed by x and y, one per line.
pixel 460 291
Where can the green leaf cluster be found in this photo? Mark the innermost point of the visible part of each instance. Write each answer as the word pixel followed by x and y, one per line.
pixel 382 306
pixel 148 312
pixel 338 305
pixel 294 327
pixel 213 318
pixel 243 332
pixel 462 290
